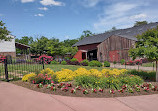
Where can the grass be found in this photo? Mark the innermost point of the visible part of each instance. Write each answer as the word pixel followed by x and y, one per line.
pixel 149 64
pixel 71 67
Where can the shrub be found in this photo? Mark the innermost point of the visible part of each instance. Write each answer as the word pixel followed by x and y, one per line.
pixel 122 61
pixel 108 82
pixel 63 62
pixel 28 76
pixel 150 75
pixel 47 71
pixel 114 72
pixel 94 63
pixel 86 81
pixel 73 60
pixel 114 62
pixel 84 62
pixel 106 64
pixel 64 75
pixel 41 78
pixel 67 58
pixel 54 62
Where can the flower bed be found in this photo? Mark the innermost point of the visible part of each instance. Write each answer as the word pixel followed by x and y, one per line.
pixel 83 82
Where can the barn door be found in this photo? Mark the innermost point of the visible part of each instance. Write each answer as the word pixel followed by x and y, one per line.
pixel 114 56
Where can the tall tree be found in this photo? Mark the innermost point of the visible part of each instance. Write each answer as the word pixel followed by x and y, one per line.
pixel 147 47
pixel 138 23
pixel 69 43
pixel 4 32
pixel 86 33
pixel 112 29
pixel 39 46
pixel 25 40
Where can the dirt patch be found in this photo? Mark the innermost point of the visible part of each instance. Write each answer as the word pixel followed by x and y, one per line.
pixel 79 93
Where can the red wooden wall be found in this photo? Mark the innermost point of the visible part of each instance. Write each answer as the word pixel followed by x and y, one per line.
pixel 78 55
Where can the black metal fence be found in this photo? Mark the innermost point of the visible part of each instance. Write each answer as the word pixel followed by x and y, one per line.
pixel 11 69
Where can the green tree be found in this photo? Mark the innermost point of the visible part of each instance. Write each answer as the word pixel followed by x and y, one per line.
pixel 4 32
pixel 54 47
pixel 39 46
pixel 147 47
pixel 69 43
pixel 112 29
pixel 25 40
pixel 138 23
pixel 86 33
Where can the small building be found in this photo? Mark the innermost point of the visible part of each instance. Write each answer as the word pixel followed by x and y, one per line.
pixel 110 46
pixel 8 48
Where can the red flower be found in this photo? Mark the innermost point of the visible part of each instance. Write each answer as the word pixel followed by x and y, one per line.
pixel 100 90
pixel 73 90
pixel 68 84
pixel 37 85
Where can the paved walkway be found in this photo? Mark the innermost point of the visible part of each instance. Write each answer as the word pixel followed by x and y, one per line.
pixel 132 67
pixel 16 98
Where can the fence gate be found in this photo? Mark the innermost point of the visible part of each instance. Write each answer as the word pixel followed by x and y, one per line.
pixel 11 69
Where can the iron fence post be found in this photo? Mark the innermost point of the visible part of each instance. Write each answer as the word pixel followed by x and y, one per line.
pixel 43 62
pixel 6 69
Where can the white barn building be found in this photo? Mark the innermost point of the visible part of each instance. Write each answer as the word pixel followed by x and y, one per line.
pixel 8 47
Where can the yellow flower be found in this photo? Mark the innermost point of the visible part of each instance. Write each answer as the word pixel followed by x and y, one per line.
pixel 27 76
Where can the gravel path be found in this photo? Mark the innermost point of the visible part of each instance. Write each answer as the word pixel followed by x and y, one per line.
pixel 132 67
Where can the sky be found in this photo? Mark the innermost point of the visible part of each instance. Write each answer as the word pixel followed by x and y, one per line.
pixel 66 19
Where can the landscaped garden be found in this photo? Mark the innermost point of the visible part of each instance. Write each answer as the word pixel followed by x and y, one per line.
pixel 86 81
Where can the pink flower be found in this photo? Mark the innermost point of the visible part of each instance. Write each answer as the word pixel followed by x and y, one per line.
pixel 33 82
pixel 112 91
pixel 100 90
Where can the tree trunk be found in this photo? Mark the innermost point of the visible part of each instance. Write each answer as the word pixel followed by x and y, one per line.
pixel 156 71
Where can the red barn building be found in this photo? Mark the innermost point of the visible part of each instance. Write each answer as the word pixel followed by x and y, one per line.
pixel 110 46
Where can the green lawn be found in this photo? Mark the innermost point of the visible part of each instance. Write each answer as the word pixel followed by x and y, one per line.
pixel 58 67
pixel 149 64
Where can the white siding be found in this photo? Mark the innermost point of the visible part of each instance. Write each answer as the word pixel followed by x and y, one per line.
pixel 7 46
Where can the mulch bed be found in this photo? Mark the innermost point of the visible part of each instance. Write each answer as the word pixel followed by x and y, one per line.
pixel 79 93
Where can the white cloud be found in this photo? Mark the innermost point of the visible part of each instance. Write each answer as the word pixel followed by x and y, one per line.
pixel 40 15
pixel 26 1
pixel 1 14
pixel 117 15
pixel 43 8
pixel 90 3
pixel 51 2
pixel 138 16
